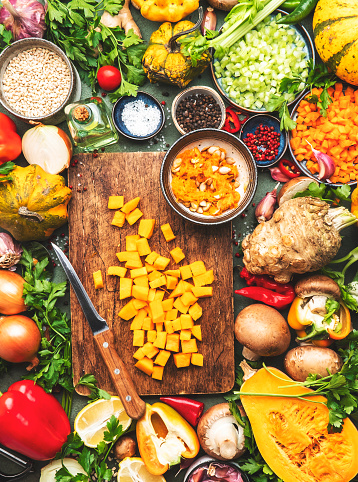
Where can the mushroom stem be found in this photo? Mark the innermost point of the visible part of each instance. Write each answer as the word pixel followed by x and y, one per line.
pixel 226 438
pixel 249 354
pixel 228 449
pixel 248 371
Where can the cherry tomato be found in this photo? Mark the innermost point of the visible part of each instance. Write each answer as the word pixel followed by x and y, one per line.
pixel 109 77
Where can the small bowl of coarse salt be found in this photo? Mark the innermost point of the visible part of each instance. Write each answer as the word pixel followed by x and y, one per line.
pixel 139 118
pixel 37 80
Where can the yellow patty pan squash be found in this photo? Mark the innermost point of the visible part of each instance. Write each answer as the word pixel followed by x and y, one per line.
pixel 164 60
pixel 166 10
pixel 33 203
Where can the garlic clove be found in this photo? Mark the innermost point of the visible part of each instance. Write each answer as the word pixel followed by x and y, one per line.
pixel 10 252
pixel 266 206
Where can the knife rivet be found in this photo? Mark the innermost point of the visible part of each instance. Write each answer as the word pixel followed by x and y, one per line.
pixel 117 371
pixel 105 345
pixel 128 398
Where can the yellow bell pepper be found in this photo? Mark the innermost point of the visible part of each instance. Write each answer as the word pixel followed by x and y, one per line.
pixel 164 437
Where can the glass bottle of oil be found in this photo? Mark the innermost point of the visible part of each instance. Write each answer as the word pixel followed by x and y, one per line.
pixel 90 124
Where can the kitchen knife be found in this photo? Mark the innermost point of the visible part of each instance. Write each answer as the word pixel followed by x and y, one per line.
pixel 104 338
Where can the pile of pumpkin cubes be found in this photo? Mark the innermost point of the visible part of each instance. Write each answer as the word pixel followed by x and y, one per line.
pixel 163 305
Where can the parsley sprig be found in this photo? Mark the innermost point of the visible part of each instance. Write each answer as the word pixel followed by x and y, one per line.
pixel 93 460
pixel 5 36
pixel 76 28
pixel 327 193
pixel 5 170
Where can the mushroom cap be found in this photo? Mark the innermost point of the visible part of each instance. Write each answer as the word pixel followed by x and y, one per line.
pixel 303 360
pixel 318 285
pixel 263 330
pixel 212 415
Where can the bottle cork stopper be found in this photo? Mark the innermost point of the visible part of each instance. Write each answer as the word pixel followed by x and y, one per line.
pixel 81 113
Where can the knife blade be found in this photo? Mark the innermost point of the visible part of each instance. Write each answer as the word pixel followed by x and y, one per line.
pixel 104 338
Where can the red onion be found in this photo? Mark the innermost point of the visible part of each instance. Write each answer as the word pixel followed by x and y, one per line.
pixel 325 163
pixel 209 20
pixel 24 18
pixel 278 175
pixel 266 206
pixel 10 252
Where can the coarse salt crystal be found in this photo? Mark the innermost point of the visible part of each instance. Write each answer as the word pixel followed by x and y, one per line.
pixel 141 119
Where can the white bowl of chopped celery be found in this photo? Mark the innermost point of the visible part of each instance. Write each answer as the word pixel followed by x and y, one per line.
pixel 249 74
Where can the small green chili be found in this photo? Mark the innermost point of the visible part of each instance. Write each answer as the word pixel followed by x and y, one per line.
pixel 290 5
pixel 304 8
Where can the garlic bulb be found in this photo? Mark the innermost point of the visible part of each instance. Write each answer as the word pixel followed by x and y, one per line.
pixel 10 252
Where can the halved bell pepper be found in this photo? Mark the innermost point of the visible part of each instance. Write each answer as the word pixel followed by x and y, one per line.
pixel 164 437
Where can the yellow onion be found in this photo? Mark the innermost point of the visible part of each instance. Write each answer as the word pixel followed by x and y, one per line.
pixel 48 473
pixel 47 146
pixel 11 289
pixel 20 340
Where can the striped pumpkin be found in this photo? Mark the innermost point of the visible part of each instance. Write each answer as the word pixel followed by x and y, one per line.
pixel 335 28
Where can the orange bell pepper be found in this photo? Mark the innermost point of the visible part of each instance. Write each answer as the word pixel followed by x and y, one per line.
pixel 345 322
pixel 164 437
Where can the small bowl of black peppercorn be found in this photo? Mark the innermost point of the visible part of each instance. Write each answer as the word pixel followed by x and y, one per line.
pixel 198 108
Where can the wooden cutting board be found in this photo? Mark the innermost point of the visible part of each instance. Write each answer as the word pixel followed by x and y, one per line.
pixel 93 246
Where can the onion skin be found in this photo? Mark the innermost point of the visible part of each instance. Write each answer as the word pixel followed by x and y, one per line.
pixel 223 4
pixel 11 290
pixel 20 340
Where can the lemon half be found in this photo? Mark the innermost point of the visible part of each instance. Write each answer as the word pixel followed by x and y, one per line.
pixel 133 469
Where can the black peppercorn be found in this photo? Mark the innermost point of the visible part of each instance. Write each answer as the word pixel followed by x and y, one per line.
pixel 198 111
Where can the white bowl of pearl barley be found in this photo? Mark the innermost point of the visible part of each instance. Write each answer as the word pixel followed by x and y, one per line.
pixel 36 80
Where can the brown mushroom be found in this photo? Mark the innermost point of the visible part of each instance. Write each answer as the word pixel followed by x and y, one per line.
pixel 318 285
pixel 124 447
pixel 219 434
pixel 262 331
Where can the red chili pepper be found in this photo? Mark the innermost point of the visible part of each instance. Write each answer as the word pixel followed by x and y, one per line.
pixel 232 117
pixel 269 297
pixel 266 282
pixel 32 422
pixel 189 409
pixel 288 168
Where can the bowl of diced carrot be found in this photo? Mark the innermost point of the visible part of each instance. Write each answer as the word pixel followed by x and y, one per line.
pixel 335 134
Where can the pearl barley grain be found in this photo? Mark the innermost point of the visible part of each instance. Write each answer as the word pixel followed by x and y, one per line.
pixel 36 82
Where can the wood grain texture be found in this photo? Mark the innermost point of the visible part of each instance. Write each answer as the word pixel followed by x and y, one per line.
pixel 93 246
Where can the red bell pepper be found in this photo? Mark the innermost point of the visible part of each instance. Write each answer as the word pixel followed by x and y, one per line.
pixel 32 422
pixel 289 168
pixel 10 141
pixel 232 122
pixel 189 409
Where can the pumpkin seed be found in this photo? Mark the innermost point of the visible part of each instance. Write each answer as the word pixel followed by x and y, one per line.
pixel 197 183
pixel 213 150
pixel 230 160
pixel 214 168
pixel 209 181
pixel 202 186
pixel 176 170
pixel 207 207
pixel 195 160
pixel 192 210
pixel 187 205
pixel 217 196
pixel 177 162
pixel 200 211
pixel 202 204
pixel 236 184
pixel 223 155
pixel 224 170
pixel 194 206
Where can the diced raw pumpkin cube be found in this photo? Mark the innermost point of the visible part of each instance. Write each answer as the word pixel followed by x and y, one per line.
pixel 139 354
pixel 151 335
pixel 152 257
pixel 137 323
pixel 197 359
pixel 181 360
pixel 134 273
pixel 133 263
pixel 146 228
pixel 156 283
pixel 138 337
pixel 179 305
pixel 130 205
pixel 187 286
pixel 128 311
pixel 188 298
pixel 161 340
pixel 173 272
pixel 189 346
pixel 169 326
pixel 202 291
pixel 159 295
pixel 204 279
pixel 171 314
pixel 115 202
pixel 125 288
pixel 141 281
pixel 172 281
pixel 117 271
pixel 139 304
pixel 157 373
pixel 134 216
pixel 185 335
pixel 156 311
pixel 154 275
pixel 151 295
pixel 161 262
pixel 149 350
pixel 172 343
pixel 162 358
pixel 177 254
pixel 159 327
pixel 118 219
pixel 97 279
pixel 126 255
pixel 131 242
pixel 195 311
pixel 177 324
pixel 196 331
pixel 197 268
pixel 146 365
pixel 185 272
pixel 148 324
pixel 140 292
pixel 143 247
pixel 167 232
pixel 149 267
pixel 167 304
pixel 186 322
pixel 178 290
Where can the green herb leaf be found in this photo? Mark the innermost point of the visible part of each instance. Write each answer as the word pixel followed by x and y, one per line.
pixel 7 167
